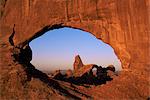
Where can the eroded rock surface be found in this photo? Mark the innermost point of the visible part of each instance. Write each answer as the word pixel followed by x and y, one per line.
pixel 69 73
pixel 77 63
pixel 123 24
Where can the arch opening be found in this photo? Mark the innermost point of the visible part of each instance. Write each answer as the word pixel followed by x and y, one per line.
pixel 56 49
pixel 54 52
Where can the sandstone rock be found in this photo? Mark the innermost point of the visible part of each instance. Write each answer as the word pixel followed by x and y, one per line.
pixel 123 24
pixel 111 68
pixel 84 69
pixel 57 75
pixel 69 73
pixel 111 74
pixel 77 63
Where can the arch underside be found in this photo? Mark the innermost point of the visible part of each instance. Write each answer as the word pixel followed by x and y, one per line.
pixel 101 34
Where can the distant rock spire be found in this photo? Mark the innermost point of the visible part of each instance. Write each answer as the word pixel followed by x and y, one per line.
pixel 77 63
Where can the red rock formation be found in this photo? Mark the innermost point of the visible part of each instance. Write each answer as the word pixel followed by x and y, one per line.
pixel 84 69
pixel 111 74
pixel 57 74
pixel 69 73
pixel 123 24
pixel 111 67
pixel 77 63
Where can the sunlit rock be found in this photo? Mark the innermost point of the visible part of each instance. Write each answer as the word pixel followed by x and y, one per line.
pixel 123 24
pixel 77 63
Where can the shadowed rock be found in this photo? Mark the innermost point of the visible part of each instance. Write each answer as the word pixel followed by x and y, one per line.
pixel 69 73
pixel 111 67
pixel 57 75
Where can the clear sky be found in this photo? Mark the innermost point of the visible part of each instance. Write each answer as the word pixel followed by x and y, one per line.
pixel 57 48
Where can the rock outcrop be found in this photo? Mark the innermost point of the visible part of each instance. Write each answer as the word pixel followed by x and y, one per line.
pixel 57 74
pixel 111 68
pixel 84 69
pixel 123 24
pixel 69 73
pixel 77 63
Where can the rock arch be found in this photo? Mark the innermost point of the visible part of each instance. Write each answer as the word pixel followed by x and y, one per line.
pixel 120 49
pixel 124 25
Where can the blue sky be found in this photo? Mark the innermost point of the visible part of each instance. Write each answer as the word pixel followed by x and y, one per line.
pixel 57 48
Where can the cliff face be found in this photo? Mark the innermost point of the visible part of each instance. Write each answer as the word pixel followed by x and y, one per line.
pixel 123 24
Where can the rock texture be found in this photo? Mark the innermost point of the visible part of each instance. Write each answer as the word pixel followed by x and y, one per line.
pixel 123 24
pixel 77 63
pixel 69 73
pixel 84 69
pixel 111 68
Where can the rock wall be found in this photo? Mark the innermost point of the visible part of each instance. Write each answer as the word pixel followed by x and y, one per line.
pixel 123 24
